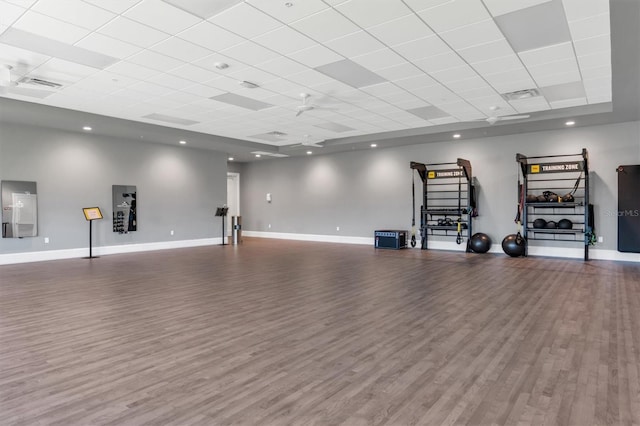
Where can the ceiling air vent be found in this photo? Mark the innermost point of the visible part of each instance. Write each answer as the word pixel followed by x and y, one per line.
pixel 39 82
pixel 277 133
pixel 520 94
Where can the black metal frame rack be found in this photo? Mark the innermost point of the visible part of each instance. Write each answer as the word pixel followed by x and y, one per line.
pixel 562 175
pixel 448 200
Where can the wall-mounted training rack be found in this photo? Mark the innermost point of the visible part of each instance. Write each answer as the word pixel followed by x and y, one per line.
pixel 448 200
pixel 555 189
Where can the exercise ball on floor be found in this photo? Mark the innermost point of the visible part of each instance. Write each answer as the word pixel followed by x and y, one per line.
pixel 480 243
pixel 513 245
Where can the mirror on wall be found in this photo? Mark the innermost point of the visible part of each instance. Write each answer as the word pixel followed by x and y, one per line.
pixel 19 209
pixel 124 208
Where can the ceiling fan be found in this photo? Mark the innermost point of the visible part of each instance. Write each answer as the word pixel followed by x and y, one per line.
pixel 25 86
pixel 493 119
pixel 307 107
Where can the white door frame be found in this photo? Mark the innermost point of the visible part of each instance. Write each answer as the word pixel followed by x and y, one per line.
pixel 235 177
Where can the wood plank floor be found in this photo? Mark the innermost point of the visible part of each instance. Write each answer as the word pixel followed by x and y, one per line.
pixel 296 333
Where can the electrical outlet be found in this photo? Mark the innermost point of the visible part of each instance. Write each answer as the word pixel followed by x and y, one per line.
pixel 601 239
pixel 171 232
pixel 46 240
pixel 337 228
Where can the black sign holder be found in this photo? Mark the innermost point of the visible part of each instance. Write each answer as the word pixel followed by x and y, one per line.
pixel 222 212
pixel 91 214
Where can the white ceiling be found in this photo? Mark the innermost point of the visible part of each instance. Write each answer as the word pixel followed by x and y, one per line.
pixel 371 66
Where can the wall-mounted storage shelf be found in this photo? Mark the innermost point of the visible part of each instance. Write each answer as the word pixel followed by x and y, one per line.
pixel 448 201
pixel 555 189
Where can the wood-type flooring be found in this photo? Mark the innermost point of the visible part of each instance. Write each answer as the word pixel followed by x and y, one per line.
pixel 275 332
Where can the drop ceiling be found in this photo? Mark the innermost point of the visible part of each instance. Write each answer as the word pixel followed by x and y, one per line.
pixel 375 69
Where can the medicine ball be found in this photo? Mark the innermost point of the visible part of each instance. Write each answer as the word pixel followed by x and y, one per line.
pixel 568 198
pixel 513 245
pixel 539 223
pixel 565 224
pixel 531 198
pixel 551 225
pixel 541 199
pixel 480 243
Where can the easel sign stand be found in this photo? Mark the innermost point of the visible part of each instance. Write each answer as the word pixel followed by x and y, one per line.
pixel 91 214
pixel 222 212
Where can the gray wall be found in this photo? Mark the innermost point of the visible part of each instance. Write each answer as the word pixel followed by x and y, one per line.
pixel 367 190
pixel 178 187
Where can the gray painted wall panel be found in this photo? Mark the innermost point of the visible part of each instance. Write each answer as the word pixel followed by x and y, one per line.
pixel 367 190
pixel 178 187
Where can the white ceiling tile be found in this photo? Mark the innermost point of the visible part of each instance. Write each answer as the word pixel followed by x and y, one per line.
pixel 132 70
pixel 116 6
pixel 284 40
pixel 382 89
pixel 596 72
pixel 547 54
pixel 298 10
pixel 108 46
pixel 483 92
pixel 354 44
pixel 440 62
pixel 416 82
pixel 181 49
pixel 75 12
pixel 193 73
pixel 250 53
pixel 316 56
pixel 512 75
pixel 501 7
pixel 245 20
pixel 3 28
pixel 487 104
pixel 484 52
pixel 22 3
pixel 9 13
pixel 326 25
pixel 587 46
pixel 595 60
pixel 150 88
pixel 454 74
pixel 579 9
pixel 378 59
pixel 567 65
pixel 436 95
pixel 474 34
pixel 558 78
pixel 568 103
pixel 467 84
pixel 367 13
pixel 54 29
pixel 455 14
pixel 422 48
pixel 507 86
pixel 111 81
pixel 492 66
pixel 211 36
pixel 132 32
pixel 401 30
pixel 154 60
pixel 209 63
pixel 309 78
pixel 224 83
pixel 161 16
pixel 286 88
pixel 62 71
pixel 253 75
pixel 419 5
pixel 590 27
pixel 399 71
pixel 281 66
pixel 22 60
pixel 202 90
pixel 171 81
pixel 537 103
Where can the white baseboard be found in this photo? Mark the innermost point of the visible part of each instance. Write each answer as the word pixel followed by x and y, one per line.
pixel 561 252
pixel 40 256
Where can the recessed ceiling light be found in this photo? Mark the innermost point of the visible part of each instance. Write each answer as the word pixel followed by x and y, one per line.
pixel 248 85
pixel 456 136
pixel 309 152
pixel 258 156
pixel 183 142
pixel 230 158
pixel 87 128
pixel 221 65
pixel 570 123
pixel 374 145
